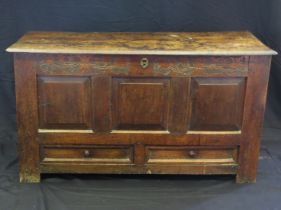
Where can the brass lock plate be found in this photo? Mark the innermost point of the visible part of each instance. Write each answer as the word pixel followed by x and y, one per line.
pixel 144 63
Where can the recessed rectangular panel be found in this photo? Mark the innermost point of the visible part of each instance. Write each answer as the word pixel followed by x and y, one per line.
pixel 64 102
pixel 140 104
pixel 217 104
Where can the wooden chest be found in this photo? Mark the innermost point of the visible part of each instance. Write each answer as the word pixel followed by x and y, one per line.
pixel 140 103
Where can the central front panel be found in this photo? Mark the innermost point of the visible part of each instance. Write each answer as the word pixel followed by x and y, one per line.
pixel 139 103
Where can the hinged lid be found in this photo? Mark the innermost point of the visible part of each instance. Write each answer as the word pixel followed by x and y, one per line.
pixel 149 43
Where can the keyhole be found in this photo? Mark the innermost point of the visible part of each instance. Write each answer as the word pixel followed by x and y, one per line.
pixel 144 63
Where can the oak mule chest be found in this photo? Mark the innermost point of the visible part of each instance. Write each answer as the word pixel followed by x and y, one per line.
pixel 140 103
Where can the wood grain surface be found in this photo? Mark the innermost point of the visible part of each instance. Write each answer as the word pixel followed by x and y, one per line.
pixel 154 43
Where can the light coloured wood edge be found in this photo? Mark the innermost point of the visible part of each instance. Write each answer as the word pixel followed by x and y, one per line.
pixel 140 52
pixel 214 132
pixel 140 131
pixel 63 131
pixel 203 161
pixel 91 160
pixel 137 131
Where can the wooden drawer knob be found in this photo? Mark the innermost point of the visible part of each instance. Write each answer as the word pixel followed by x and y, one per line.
pixel 87 153
pixel 192 153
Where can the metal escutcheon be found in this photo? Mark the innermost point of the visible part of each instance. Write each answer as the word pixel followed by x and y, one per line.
pixel 144 63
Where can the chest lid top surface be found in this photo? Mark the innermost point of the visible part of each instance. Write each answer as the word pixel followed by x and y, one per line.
pixel 142 43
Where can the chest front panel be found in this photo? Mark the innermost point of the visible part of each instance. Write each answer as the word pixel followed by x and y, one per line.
pixel 171 94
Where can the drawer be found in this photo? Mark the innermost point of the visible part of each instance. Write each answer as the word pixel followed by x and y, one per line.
pixel 196 155
pixel 88 154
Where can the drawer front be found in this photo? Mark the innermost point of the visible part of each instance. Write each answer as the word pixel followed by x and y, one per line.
pixel 87 154
pixel 196 155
